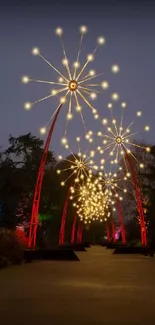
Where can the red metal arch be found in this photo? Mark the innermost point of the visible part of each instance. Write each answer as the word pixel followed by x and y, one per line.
pixel 63 219
pixel 38 187
pixel 138 200
pixel 73 229
pixel 121 220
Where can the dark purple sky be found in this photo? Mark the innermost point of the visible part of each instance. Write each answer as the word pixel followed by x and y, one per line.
pixel 129 32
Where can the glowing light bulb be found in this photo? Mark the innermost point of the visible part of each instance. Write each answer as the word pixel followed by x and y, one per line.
pixel 62 100
pixel 139 113
pixel 43 130
pixel 104 121
pixel 141 165
pixel 147 128
pixel 78 108
pixel 92 72
pixel 59 31
pixel 69 116
pixel 148 149
pixel 101 40
pixel 62 183
pixel 115 96
pixel 53 92
pixel 35 51
pixel 76 64
pixel 93 95
pixel 25 79
pixel 64 61
pixel 115 68
pixel 105 84
pixel 109 105
pixel 60 79
pixel 27 106
pixel 58 171
pixel 90 57
pixel 63 140
pixel 83 29
pixel 123 104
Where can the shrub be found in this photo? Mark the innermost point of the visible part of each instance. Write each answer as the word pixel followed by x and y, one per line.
pixel 12 247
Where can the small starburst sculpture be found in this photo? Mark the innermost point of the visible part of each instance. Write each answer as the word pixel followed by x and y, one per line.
pixel 79 165
pixel 118 140
pixel 109 183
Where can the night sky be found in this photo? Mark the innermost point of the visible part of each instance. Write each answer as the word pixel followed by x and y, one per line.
pixel 129 31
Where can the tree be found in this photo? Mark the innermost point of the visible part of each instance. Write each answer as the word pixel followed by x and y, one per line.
pixel 18 173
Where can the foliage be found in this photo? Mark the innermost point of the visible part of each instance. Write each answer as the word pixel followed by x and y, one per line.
pixel 11 248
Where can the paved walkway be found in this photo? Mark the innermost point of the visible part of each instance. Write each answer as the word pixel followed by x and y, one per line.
pixel 101 289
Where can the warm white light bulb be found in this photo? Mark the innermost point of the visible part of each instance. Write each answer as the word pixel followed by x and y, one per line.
pixel 27 106
pixel 115 68
pixel 43 130
pixel 78 108
pixel 83 29
pixel 93 95
pixel 59 31
pixel 147 128
pixel 123 104
pixel 65 62
pixel 92 72
pixel 53 92
pixel 25 79
pixel 63 140
pixel 105 84
pixel 90 57
pixel 115 96
pixel 62 100
pixel 104 121
pixel 101 40
pixel 35 51
pixel 69 116
pixel 76 64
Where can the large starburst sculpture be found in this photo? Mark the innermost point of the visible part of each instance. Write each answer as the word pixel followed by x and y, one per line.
pixel 76 84
pixel 118 140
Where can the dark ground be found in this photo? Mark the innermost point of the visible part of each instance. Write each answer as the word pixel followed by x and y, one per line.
pixel 100 289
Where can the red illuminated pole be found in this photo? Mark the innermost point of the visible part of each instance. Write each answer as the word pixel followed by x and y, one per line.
pixel 38 187
pixel 73 230
pixel 108 232
pixel 121 221
pixel 113 232
pixel 79 233
pixel 63 219
pixel 139 201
